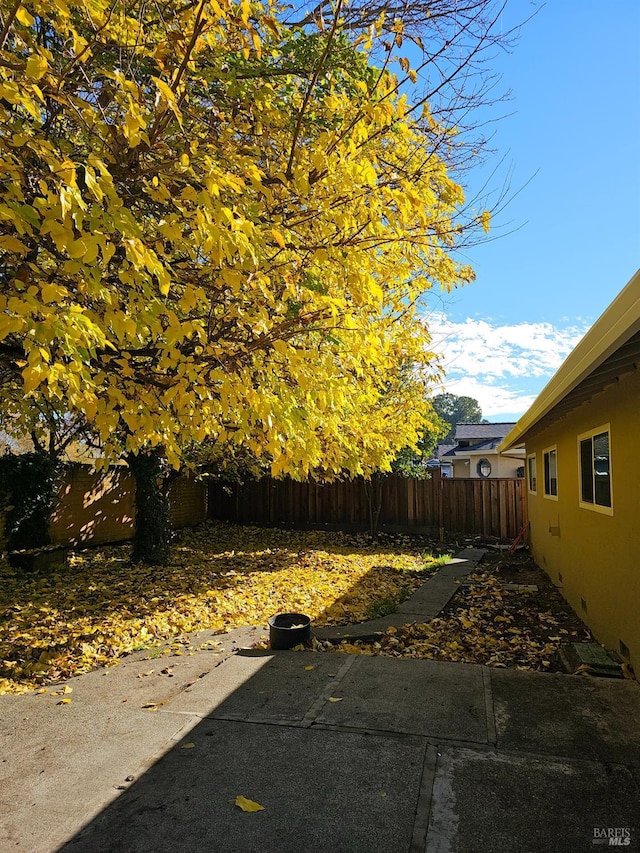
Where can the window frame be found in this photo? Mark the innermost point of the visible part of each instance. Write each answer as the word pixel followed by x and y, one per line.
pixel 547 453
pixel 592 506
pixel 533 490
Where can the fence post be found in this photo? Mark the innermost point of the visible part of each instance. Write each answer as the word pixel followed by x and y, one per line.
pixel 440 506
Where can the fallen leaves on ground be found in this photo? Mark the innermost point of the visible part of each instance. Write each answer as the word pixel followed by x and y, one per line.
pixel 66 621
pixel 248 805
pixel 489 624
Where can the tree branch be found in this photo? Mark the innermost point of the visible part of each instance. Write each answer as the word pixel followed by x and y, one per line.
pixel 10 19
pixel 311 87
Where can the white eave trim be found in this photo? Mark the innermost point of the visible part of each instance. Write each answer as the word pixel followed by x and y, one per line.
pixel 617 324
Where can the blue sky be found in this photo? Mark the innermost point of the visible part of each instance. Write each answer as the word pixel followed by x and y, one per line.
pixel 573 145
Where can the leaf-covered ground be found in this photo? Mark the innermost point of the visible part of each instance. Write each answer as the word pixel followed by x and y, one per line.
pixel 489 622
pixel 63 622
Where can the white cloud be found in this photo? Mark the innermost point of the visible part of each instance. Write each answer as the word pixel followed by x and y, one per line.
pixel 504 367
pixel 496 402
pixel 477 348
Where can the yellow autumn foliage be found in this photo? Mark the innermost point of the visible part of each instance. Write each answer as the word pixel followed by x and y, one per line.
pixel 215 227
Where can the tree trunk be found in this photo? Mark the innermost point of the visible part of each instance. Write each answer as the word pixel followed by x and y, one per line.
pixel 151 535
pixel 373 490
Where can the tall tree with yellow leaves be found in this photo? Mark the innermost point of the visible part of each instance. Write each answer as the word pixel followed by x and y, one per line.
pixel 216 227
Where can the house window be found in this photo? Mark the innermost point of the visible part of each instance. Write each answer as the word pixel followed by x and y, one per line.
pixel 484 468
pixel 550 458
pixel 531 473
pixel 595 470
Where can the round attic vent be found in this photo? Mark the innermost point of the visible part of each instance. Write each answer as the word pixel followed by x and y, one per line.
pixel 484 468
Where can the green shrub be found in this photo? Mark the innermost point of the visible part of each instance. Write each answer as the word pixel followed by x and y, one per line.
pixel 28 485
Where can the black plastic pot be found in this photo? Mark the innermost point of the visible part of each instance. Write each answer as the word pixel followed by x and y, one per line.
pixel 287 630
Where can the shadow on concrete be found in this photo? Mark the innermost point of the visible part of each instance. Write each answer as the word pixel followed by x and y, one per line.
pixel 322 790
pixel 415 756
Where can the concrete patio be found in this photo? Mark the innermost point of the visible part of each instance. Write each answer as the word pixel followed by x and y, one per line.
pixel 346 753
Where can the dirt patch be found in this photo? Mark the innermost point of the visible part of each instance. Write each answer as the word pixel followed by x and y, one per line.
pixel 511 591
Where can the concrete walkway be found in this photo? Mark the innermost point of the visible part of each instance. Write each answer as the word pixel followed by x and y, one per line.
pixel 422 606
pixel 346 753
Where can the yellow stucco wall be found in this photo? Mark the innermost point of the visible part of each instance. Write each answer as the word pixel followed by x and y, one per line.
pixel 597 555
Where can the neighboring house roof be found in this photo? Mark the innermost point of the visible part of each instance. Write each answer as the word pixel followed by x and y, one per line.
pixel 469 432
pixel 442 449
pixel 459 451
pixel 449 452
pixel 490 446
pixel 432 462
pixel 610 348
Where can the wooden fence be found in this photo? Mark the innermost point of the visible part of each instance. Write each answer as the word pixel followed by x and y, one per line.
pixel 485 507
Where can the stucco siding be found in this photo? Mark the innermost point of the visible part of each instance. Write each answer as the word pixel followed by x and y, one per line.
pixel 509 467
pixel 501 466
pixel 460 470
pixel 594 557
